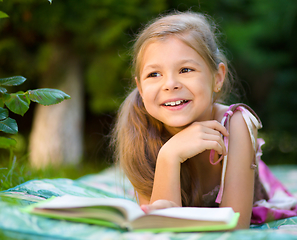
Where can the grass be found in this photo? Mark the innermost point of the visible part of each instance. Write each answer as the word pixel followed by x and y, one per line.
pixel 17 171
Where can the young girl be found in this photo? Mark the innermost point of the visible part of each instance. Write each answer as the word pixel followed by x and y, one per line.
pixel 177 144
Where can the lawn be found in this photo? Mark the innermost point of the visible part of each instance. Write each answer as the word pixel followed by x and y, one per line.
pixel 18 171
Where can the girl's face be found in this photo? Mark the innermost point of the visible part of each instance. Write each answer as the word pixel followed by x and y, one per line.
pixel 176 84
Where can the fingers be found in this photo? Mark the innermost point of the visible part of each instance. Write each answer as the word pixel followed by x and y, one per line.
pixel 216 126
pixel 195 139
pixel 159 204
pixel 218 146
pixel 215 141
pixel 211 132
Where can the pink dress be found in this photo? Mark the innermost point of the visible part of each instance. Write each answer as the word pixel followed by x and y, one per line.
pixel 271 199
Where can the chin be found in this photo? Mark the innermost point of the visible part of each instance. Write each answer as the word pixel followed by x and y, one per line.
pixel 180 124
pixel 175 128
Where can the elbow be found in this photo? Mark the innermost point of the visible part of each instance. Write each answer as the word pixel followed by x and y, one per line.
pixel 243 224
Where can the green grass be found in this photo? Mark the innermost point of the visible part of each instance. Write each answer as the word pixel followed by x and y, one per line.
pixel 17 171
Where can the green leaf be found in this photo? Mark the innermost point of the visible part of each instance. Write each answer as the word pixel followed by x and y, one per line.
pixel 3 15
pixel 7 142
pixel 3 113
pixel 47 96
pixel 17 102
pixel 3 90
pixel 9 125
pixel 12 81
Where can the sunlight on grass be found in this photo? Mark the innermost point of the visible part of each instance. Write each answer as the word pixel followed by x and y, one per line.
pixel 19 171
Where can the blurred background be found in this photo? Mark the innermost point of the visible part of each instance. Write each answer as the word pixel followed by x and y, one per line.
pixel 83 49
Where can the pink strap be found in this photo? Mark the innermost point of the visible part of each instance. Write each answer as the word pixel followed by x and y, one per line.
pixel 211 158
pixel 250 119
pixel 212 152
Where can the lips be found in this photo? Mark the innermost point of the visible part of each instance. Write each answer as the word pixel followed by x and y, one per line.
pixel 175 103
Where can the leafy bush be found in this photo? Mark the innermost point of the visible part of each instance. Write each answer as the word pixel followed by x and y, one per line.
pixel 19 103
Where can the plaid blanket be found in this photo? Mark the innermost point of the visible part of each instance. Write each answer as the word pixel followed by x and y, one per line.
pixel 15 224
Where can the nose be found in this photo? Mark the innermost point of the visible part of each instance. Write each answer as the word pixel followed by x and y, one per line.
pixel 171 83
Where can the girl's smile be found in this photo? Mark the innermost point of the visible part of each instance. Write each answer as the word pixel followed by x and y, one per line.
pixel 175 83
pixel 174 105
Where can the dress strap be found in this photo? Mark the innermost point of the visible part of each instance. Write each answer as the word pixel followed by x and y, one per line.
pixel 252 120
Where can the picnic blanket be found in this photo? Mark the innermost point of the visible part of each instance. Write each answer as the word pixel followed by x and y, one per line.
pixel 15 224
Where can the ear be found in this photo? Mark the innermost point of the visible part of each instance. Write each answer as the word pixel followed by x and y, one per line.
pixel 219 78
pixel 138 86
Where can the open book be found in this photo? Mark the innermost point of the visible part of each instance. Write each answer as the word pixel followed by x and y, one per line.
pixel 126 214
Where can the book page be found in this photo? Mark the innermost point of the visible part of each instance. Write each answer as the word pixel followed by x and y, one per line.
pixel 130 209
pixel 184 217
pixel 197 213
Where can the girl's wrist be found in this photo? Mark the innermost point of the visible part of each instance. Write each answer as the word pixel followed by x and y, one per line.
pixel 169 155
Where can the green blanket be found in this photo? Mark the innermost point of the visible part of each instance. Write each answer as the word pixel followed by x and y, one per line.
pixel 15 224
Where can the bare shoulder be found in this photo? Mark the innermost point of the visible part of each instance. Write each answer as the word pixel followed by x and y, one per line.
pixel 237 121
pixel 238 124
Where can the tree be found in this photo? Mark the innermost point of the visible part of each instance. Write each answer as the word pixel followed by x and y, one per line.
pixel 56 136
pixel 77 41
pixel 19 103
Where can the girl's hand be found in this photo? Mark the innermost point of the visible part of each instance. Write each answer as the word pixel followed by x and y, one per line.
pixel 195 139
pixel 159 204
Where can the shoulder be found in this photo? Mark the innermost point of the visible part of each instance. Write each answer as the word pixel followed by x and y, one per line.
pixel 249 116
pixel 220 110
pixel 241 120
pixel 238 123
pixel 242 127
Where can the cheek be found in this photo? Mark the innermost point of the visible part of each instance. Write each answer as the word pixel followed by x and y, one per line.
pixel 149 101
pixel 148 92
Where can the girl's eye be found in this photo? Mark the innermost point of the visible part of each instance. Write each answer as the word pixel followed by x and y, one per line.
pixel 186 70
pixel 154 74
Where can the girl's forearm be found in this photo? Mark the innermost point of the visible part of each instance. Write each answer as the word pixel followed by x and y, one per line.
pixel 167 179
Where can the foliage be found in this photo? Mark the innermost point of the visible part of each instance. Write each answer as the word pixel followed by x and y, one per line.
pixel 96 31
pixel 19 103
pixel 2 14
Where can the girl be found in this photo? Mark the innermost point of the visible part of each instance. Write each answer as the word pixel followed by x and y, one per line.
pixel 177 144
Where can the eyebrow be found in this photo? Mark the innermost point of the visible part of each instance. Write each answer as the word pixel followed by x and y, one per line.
pixel 154 66
pixel 189 61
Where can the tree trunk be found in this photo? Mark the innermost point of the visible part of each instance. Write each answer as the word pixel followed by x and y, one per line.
pixel 57 132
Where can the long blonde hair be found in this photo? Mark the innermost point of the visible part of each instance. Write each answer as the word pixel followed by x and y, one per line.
pixel 137 136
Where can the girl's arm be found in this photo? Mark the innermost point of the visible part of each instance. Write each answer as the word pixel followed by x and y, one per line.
pixel 239 179
pixel 189 142
pixel 166 185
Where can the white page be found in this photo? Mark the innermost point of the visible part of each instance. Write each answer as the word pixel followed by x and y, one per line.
pixel 204 214
pixel 131 209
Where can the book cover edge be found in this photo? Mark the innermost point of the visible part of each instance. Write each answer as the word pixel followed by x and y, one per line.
pixel 220 227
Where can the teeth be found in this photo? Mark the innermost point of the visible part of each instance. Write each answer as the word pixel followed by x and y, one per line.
pixel 174 103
